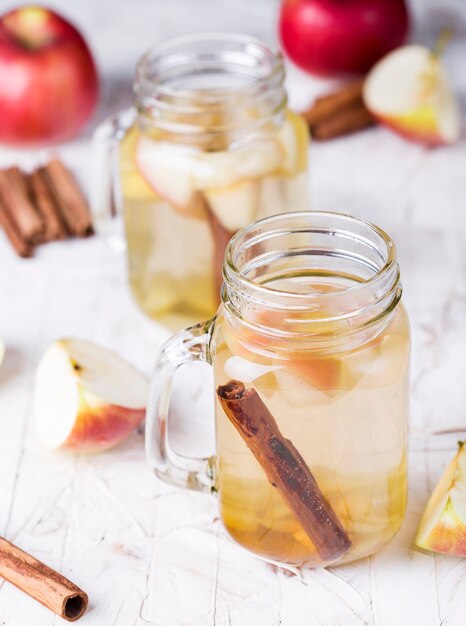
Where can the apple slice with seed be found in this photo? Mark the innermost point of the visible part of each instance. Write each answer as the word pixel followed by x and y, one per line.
pixel 87 399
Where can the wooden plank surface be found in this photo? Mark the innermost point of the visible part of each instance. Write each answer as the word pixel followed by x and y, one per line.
pixel 149 554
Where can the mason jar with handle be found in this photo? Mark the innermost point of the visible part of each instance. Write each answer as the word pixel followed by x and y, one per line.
pixel 310 352
pixel 208 148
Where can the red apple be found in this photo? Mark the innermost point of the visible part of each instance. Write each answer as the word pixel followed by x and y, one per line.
pixel 49 83
pixel 333 37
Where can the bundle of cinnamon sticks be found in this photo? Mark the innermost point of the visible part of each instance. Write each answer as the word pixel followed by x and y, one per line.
pixel 42 206
pixel 339 113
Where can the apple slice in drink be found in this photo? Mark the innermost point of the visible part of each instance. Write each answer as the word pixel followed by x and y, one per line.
pixel 227 168
pixel 168 169
pixel 87 399
pixel 236 206
pixel 133 184
pixel 240 369
pixel 2 351
pixel 443 525
pixel 293 137
pixel 408 91
pixel 378 364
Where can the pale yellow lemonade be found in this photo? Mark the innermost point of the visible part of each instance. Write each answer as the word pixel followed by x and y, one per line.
pixel 346 413
pixel 168 190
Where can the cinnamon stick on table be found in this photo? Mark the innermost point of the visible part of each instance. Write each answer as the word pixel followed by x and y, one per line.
pixel 330 104
pixel 339 113
pixel 69 197
pixel 44 584
pixel 354 118
pixel 46 205
pixel 15 197
pixel 285 468
pixel 21 246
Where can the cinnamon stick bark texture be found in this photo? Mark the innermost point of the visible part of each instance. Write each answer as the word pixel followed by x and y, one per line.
pixel 355 118
pixel 69 197
pixel 46 205
pixel 21 246
pixel 339 113
pixel 44 584
pixel 15 197
pixel 330 104
pixel 285 468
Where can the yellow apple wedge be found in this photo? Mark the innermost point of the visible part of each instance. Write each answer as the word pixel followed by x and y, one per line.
pixel 443 525
pixel 408 91
pixel 2 351
pixel 86 399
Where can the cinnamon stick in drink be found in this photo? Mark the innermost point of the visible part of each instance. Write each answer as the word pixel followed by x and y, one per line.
pixel 285 468
pixel 15 197
pixel 69 198
pixel 41 582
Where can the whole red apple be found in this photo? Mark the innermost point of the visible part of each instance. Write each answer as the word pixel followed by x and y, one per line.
pixel 49 84
pixel 334 37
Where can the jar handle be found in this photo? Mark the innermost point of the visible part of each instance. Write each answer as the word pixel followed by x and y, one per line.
pixel 105 188
pixel 191 473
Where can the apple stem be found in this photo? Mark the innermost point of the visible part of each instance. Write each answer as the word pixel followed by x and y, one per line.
pixel 446 35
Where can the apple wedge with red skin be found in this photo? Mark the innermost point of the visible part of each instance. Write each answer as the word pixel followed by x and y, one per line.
pixel 443 524
pixel 408 92
pixel 87 399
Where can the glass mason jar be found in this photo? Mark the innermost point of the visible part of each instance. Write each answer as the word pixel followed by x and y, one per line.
pixel 310 351
pixel 208 148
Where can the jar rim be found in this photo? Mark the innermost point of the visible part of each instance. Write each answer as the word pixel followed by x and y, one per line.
pixel 232 274
pixel 237 80
pixel 157 52
pixel 319 246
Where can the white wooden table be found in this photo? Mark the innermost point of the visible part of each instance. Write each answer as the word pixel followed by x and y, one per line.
pixel 152 555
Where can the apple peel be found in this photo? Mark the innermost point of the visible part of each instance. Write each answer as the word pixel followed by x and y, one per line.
pixel 443 524
pixel 87 399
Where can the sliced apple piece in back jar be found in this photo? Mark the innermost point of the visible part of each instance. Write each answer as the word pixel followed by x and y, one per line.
pixel 168 169
pixel 293 137
pixel 133 185
pixel 178 173
pixel 236 206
